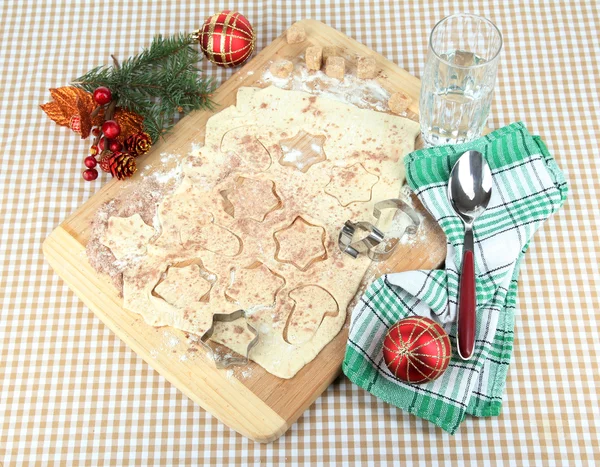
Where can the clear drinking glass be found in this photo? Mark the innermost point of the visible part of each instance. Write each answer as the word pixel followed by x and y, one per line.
pixel 458 81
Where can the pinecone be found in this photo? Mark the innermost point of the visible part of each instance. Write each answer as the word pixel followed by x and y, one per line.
pixel 119 164
pixel 138 144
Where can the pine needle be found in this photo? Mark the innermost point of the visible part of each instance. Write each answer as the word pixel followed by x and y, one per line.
pixel 160 82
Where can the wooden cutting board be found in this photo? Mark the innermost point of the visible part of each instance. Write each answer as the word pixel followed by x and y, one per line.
pixel 249 400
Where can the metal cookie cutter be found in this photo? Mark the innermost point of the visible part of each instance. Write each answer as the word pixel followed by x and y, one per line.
pixel 370 243
pixel 224 361
pixel 354 248
pixel 410 229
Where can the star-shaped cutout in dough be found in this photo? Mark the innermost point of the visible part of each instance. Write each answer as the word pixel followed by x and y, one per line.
pixel 251 198
pixel 302 151
pixel 351 184
pixel 127 236
pixel 300 244
pixel 183 286
pixel 254 285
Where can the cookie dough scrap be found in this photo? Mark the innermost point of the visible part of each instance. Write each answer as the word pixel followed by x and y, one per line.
pixel 262 237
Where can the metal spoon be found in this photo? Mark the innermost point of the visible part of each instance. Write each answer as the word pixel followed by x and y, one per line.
pixel 469 191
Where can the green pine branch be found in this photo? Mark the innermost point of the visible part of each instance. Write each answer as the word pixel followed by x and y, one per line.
pixel 159 83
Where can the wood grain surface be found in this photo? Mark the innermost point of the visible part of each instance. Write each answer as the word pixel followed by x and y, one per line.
pixel 252 402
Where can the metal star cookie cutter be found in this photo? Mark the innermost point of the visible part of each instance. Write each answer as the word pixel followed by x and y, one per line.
pixel 375 237
pixel 224 361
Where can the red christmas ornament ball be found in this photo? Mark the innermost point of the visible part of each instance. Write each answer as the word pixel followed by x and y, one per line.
pixel 111 129
pixel 115 146
pixel 102 143
pixel 90 175
pixel 227 38
pixel 416 350
pixel 102 95
pixel 90 162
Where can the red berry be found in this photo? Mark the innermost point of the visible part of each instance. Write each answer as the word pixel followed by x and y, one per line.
pixel 96 131
pixel 94 150
pixel 102 95
pixel 111 129
pixel 102 143
pixel 90 174
pixel 115 146
pixel 90 162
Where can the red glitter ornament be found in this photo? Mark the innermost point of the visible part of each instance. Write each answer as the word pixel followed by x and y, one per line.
pixel 227 38
pixel 417 350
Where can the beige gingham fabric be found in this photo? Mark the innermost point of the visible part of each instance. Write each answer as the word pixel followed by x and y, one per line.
pixel 73 394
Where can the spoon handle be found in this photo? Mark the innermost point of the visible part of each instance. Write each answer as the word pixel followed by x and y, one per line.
pixel 467 301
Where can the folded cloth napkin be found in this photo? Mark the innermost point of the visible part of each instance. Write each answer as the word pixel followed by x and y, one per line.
pixel 527 188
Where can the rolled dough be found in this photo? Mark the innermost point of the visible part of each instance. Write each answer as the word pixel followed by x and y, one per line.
pixel 254 223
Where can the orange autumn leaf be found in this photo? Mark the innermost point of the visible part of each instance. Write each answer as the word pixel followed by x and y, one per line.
pixel 56 114
pixel 67 99
pixel 130 123
pixel 69 102
pixel 85 119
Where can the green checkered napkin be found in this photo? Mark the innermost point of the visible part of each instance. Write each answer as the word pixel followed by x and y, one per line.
pixel 528 188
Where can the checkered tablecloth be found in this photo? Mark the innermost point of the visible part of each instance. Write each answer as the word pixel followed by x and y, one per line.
pixel 73 394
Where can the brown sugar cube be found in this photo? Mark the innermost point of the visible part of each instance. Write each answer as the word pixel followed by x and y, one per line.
pixel 399 102
pixel 335 67
pixel 314 57
pixel 330 51
pixel 295 34
pixel 366 68
pixel 281 68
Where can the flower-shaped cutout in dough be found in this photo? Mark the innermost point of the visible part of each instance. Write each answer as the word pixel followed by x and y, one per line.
pixel 254 285
pixel 302 151
pixel 300 244
pixel 351 184
pixel 127 236
pixel 251 198
pixel 183 286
